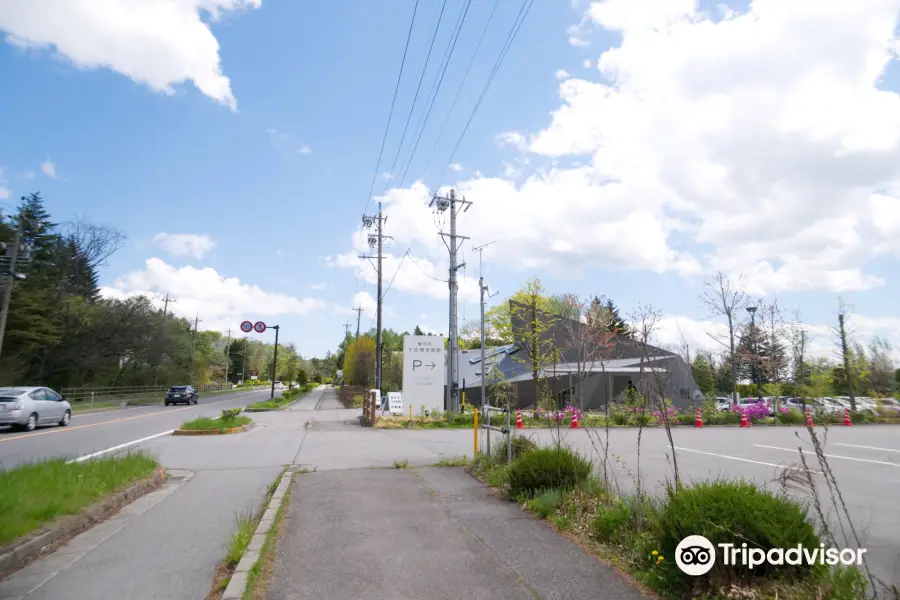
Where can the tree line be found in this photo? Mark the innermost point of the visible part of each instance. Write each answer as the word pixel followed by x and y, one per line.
pixel 60 332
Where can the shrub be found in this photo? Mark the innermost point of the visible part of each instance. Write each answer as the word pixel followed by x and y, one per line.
pixel 546 469
pixel 520 445
pixel 546 503
pixel 732 512
pixel 230 414
pixel 790 416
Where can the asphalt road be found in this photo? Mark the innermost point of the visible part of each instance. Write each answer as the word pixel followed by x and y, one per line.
pixel 88 433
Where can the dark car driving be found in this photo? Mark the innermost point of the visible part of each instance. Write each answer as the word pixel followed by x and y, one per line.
pixel 178 394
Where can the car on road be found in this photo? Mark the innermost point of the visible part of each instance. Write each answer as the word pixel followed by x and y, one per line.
pixel 28 408
pixel 182 394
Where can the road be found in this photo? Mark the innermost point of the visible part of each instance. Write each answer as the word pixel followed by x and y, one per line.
pixel 93 432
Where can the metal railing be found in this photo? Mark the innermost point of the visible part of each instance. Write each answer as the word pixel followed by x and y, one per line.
pixel 120 393
pixel 486 411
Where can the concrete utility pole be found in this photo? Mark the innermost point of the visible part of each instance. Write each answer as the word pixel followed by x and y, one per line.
pixel 244 366
pixel 454 205
pixel 227 357
pixel 482 288
pixel 346 330
pixel 194 345
pixel 358 310
pixel 376 240
pixel 166 305
pixel 277 329
pixel 7 292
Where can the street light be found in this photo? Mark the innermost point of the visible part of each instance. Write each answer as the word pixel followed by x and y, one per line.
pixel 752 311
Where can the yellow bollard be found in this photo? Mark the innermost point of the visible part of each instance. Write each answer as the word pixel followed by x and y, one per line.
pixel 475 428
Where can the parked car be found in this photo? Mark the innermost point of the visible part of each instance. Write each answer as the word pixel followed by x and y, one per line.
pixel 888 407
pixel 748 402
pixel 179 394
pixel 27 408
pixel 723 403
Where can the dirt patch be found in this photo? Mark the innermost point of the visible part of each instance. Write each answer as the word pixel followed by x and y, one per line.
pixel 228 431
pixel 48 539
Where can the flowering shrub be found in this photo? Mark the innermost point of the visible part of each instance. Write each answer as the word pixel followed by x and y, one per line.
pixel 754 411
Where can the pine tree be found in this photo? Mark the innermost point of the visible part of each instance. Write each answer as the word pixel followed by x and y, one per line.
pixel 615 323
pixel 418 331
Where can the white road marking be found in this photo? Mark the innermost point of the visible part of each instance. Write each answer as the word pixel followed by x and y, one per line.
pixel 865 460
pixel 119 447
pixel 127 444
pixel 866 447
pixel 747 460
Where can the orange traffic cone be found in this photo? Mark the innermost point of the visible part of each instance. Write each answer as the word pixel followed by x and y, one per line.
pixel 519 420
pixel 574 420
pixel 847 421
pixel 699 421
pixel 744 421
pixel 809 419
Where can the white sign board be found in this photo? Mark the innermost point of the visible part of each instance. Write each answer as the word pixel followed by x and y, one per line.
pixel 395 403
pixel 424 372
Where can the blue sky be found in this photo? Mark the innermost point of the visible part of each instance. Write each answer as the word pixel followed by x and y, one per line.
pixel 279 184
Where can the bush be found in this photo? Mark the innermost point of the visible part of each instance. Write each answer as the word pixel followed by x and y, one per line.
pixel 230 414
pixel 520 445
pixel 790 416
pixel 734 512
pixel 546 469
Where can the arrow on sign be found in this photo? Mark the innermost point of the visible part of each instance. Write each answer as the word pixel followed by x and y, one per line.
pixel 431 364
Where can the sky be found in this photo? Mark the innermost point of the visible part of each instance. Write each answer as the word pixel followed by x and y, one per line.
pixel 619 148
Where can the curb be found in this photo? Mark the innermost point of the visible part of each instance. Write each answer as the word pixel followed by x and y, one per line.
pixel 228 431
pixel 285 407
pixel 237 585
pixel 18 553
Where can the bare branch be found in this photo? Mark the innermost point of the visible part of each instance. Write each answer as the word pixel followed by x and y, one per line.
pixel 95 242
pixel 725 298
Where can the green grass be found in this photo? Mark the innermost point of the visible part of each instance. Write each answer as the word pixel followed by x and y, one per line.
pixel 244 528
pixel 206 423
pixel 35 494
pixel 261 572
pixel 283 400
pixel 455 461
pixel 401 464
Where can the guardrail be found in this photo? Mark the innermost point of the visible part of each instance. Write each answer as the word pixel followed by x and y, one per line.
pixel 112 394
pixel 488 428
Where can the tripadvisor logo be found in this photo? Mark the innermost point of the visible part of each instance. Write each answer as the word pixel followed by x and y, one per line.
pixel 695 555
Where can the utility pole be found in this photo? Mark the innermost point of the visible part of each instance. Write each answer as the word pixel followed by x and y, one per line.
pixel 7 292
pixel 346 330
pixel 244 366
pixel 454 205
pixel 376 240
pixel 227 357
pixel 194 345
pixel 481 290
pixel 358 310
pixel 166 306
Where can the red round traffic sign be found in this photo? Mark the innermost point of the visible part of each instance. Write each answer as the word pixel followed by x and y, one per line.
pixel 259 327
pixel 246 326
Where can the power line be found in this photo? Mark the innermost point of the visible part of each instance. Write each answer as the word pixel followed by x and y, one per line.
pixel 424 272
pixel 387 128
pixel 418 89
pixel 436 88
pixel 461 85
pixel 510 38
pixel 395 275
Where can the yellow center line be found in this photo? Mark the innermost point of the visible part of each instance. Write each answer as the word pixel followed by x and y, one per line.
pixel 77 427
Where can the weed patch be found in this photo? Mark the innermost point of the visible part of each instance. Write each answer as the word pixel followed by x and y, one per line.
pixel 36 494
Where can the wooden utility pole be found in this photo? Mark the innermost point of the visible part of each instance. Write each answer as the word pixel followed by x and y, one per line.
pixel 227 356
pixel 193 346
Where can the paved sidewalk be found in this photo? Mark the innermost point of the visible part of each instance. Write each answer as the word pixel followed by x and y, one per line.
pixel 165 546
pixel 428 534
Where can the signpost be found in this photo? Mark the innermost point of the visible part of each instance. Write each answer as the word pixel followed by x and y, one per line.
pixel 246 326
pixel 423 371
pixel 395 403
pixel 260 327
pixel 254 375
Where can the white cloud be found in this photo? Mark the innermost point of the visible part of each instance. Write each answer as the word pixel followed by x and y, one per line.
pixel 455 167
pixel 514 139
pixel 221 302
pixel 185 244
pixel 386 176
pixel 563 74
pixel 318 286
pixel 4 193
pixel 587 64
pixel 304 150
pixel 578 42
pixel 49 169
pixel 29 175
pixel 710 143
pixel 158 44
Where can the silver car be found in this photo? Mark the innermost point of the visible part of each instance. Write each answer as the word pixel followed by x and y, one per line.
pixel 30 407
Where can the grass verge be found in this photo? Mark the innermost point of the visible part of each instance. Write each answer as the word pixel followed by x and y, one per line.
pixel 209 424
pixel 455 461
pixel 283 400
pixel 637 534
pixel 260 573
pixel 36 494
pixel 244 529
